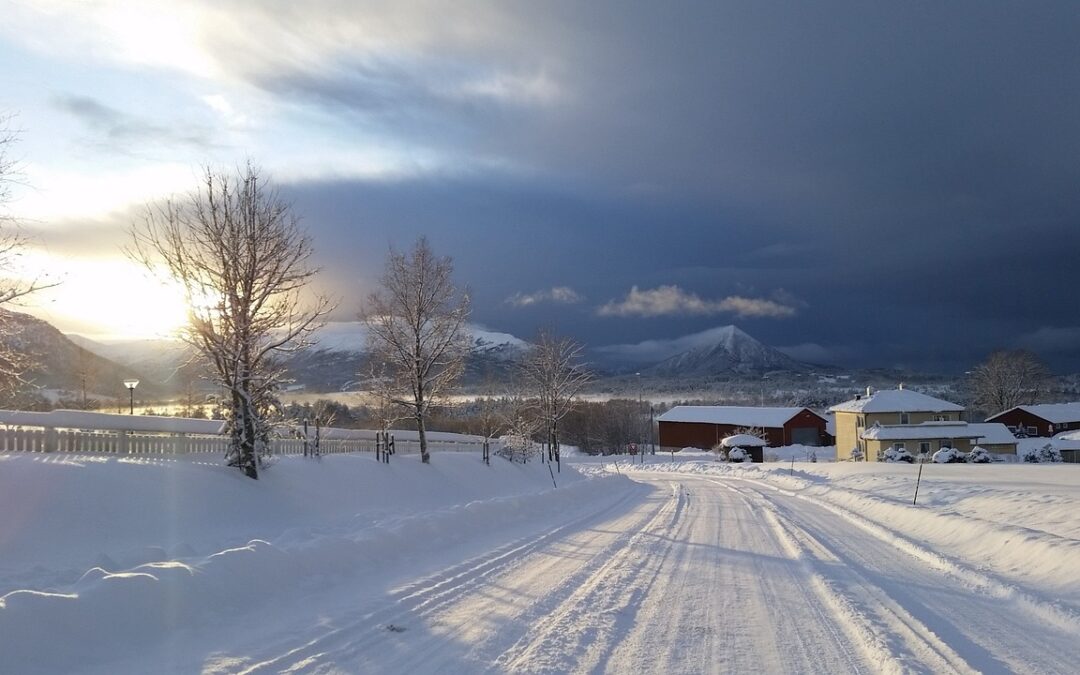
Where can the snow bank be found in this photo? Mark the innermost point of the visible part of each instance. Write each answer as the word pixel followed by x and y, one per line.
pixel 178 544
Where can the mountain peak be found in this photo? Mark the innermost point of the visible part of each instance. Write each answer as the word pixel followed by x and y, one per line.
pixel 725 350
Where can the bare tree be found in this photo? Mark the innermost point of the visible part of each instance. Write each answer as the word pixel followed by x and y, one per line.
pixel 416 326
pixel 15 358
pixel 1008 379
pixel 553 372
pixel 239 253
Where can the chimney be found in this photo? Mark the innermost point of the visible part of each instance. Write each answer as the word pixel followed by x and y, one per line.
pixel 868 391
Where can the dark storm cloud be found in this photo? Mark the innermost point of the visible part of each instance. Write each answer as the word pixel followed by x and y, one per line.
pixel 123 132
pixel 908 170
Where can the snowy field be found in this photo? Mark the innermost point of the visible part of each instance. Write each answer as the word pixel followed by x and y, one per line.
pixel 347 566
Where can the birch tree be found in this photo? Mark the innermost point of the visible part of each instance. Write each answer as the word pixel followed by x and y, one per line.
pixel 416 327
pixel 554 373
pixel 244 262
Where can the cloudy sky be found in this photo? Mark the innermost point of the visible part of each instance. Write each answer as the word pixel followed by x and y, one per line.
pixel 867 184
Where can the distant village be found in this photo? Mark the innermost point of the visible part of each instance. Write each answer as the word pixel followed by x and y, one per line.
pixel 884 425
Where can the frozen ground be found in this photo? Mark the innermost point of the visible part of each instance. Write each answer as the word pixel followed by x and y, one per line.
pixel 674 567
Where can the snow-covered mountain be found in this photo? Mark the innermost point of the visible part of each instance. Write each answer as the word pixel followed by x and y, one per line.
pixel 732 351
pixel 335 363
pixel 63 365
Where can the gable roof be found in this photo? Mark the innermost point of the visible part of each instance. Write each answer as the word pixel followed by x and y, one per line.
pixel 741 416
pixel 896 400
pixel 1055 413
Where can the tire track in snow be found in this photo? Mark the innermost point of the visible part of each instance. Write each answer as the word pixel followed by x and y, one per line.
pixel 874 620
pixel 582 629
pixel 983 630
pixel 367 629
pixel 733 601
pixel 1044 611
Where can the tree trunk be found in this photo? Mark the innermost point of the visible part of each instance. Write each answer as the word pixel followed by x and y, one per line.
pixel 424 456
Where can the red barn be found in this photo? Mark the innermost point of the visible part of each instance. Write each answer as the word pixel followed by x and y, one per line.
pixel 703 426
pixel 1044 419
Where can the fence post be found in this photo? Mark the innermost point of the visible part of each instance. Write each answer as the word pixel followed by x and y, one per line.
pixel 50 439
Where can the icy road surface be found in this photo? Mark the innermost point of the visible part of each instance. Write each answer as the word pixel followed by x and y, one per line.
pixel 685 575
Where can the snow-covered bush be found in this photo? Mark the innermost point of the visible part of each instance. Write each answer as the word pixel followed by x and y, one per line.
pixel 947 456
pixel 738 455
pixel 978 455
pixel 517 448
pixel 898 455
pixel 1047 454
pixel 856 454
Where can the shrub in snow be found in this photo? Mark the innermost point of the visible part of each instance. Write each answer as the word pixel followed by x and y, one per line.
pixel 517 448
pixel 1047 454
pixel 856 454
pixel 978 456
pixel 898 455
pixel 738 455
pixel 947 456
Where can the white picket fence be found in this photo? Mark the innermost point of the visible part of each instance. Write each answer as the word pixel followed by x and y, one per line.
pixel 105 433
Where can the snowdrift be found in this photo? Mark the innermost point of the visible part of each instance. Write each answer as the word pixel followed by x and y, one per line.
pixel 178 545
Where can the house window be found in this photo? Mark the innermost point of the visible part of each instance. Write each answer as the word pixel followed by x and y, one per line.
pixel 1032 431
pixel 904 418
pixel 924 448
pixel 941 418
pixel 944 444
pixel 860 422
pixel 898 446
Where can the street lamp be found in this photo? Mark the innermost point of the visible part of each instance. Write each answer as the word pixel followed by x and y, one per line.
pixel 131 384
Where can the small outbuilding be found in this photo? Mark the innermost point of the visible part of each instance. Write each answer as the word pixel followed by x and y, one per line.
pixel 754 446
pixel 705 426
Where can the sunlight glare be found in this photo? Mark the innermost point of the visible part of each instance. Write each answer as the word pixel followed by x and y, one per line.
pixel 113 298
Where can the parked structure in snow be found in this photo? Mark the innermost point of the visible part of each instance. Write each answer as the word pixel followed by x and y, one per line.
pixel 894 408
pixel 751 445
pixel 1043 419
pixel 704 426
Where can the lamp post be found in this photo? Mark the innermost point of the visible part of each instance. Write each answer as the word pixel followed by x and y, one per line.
pixel 131 384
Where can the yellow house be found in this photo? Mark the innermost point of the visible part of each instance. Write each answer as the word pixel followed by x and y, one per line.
pixel 890 407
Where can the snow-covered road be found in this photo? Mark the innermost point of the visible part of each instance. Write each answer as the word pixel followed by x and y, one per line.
pixel 687 574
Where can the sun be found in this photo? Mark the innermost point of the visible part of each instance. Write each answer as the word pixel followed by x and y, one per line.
pixel 110 298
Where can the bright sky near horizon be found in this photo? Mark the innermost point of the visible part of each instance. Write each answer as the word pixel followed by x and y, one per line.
pixel 864 185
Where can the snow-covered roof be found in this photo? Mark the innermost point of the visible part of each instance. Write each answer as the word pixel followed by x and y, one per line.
pixel 82 419
pixel 742 441
pixel 896 400
pixel 924 431
pixel 992 433
pixel 742 416
pixel 1055 413
pixel 1066 440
